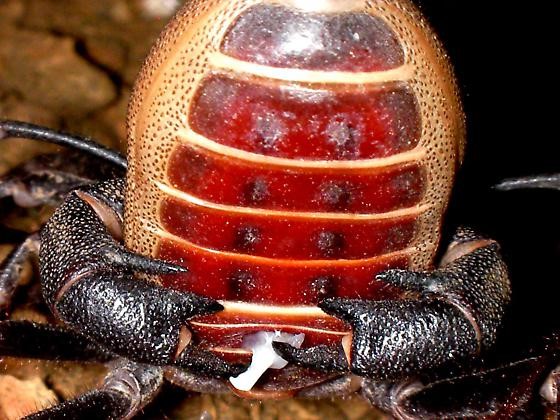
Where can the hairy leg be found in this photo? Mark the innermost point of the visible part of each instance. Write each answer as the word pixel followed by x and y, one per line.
pixel 127 388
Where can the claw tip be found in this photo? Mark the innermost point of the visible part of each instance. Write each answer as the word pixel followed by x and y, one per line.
pixel 329 305
pixel 213 306
pixel 175 269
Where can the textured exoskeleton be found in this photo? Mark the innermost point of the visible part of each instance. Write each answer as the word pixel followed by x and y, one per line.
pixel 289 164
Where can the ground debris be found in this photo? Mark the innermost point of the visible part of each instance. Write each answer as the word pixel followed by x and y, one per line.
pixel 21 397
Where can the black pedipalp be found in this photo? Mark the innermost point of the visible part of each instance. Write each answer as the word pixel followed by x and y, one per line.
pixel 88 282
pixel 447 316
pixel 476 283
pixel 398 339
pixel 43 180
pixel 206 364
pixel 130 316
pixel 76 242
pixel 323 358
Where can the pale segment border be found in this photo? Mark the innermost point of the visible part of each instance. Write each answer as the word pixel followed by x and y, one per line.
pixel 429 72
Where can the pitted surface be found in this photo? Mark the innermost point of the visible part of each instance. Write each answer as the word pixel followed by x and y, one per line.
pixel 63 237
pixel 397 340
pixel 160 108
pixel 480 280
pixel 281 36
pixel 161 121
pixel 89 282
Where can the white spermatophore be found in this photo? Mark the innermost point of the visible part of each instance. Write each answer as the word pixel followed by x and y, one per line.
pixel 264 356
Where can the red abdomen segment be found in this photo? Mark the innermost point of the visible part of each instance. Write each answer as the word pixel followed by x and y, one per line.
pixel 297 176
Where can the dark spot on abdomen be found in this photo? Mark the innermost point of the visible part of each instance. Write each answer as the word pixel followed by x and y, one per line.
pixel 323 287
pixel 344 136
pixel 336 196
pixel 246 238
pixel 330 244
pixel 255 192
pixel 242 284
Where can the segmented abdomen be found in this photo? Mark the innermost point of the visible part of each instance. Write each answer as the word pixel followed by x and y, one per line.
pixel 298 173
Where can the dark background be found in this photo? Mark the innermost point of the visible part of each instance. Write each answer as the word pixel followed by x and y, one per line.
pixel 503 56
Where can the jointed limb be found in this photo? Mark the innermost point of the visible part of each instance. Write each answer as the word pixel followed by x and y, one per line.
pixel 11 268
pixel 125 391
pixel 47 179
pixel 49 342
pixel 31 131
pixel 446 316
pixel 88 281
pixel 543 181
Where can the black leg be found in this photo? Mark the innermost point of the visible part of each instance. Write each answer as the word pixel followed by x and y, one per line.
pixel 206 364
pixel 194 382
pixel 506 392
pixel 447 316
pixel 88 281
pixel 35 132
pixel 543 181
pixel 11 268
pixel 26 339
pixel 11 265
pixel 125 391
pixel 47 179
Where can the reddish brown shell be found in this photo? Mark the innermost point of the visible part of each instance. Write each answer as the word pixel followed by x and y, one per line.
pixel 286 151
